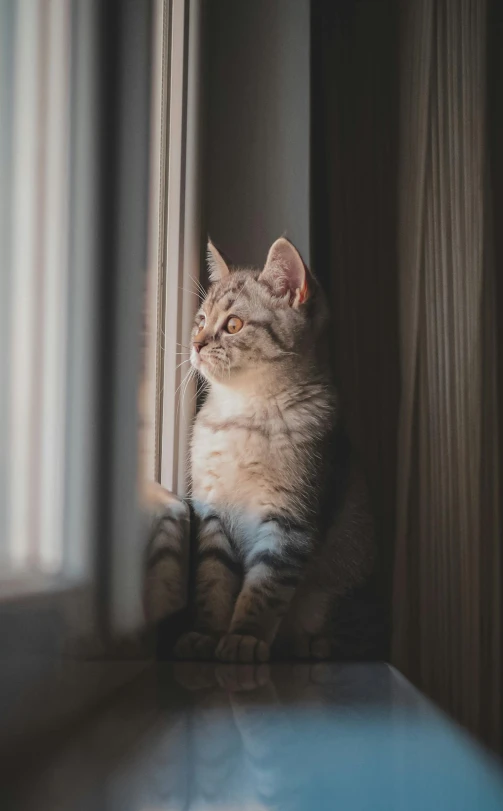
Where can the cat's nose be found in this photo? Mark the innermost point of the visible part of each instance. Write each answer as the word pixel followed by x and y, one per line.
pixel 198 345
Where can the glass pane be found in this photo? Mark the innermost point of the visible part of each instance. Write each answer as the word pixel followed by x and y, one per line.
pixel 34 199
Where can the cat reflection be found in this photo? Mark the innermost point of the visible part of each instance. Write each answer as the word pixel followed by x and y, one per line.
pixel 245 748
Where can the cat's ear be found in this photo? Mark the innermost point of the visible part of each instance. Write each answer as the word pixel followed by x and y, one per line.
pixel 217 266
pixel 285 273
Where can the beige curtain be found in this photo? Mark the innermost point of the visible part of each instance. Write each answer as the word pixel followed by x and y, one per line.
pixel 447 586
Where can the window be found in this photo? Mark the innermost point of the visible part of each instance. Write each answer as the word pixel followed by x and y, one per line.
pixel 98 184
pixel 174 240
pixel 75 256
pixel 36 287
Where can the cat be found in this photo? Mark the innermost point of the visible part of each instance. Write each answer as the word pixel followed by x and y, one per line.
pixel 281 508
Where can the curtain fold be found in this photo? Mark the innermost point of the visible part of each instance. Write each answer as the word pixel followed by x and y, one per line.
pixel 407 198
pixel 447 633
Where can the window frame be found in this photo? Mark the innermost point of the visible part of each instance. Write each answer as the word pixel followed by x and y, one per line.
pixel 99 594
pixel 44 619
pixel 180 246
pixel 22 587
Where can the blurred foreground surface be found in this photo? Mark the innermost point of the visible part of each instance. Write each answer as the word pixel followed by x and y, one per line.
pixel 286 737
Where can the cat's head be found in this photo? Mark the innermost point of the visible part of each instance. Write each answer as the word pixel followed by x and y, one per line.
pixel 257 321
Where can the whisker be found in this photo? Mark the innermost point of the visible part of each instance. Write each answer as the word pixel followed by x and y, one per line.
pixel 181 364
pixel 197 283
pixel 182 382
pixel 184 392
pixel 187 381
pixel 192 292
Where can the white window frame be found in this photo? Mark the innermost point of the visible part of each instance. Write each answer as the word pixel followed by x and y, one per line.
pixel 42 614
pixel 80 595
pixel 174 238
pixel 59 561
pixel 175 249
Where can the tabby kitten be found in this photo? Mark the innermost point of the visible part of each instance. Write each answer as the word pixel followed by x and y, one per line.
pixel 282 521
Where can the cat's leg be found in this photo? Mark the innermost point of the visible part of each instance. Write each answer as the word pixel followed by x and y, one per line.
pixel 218 580
pixel 309 621
pixel 166 520
pixel 273 567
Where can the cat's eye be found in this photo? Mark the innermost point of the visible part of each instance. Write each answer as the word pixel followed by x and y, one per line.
pixel 234 324
pixel 200 324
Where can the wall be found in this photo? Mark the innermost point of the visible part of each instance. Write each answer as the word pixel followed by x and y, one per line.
pixel 257 140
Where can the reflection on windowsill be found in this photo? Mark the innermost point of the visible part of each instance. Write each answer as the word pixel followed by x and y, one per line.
pixel 194 736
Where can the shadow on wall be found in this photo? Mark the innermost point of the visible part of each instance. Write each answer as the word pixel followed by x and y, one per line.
pixel 354 98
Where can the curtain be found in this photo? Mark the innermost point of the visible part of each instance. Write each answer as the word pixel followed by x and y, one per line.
pixel 495 157
pixel 447 632
pixel 407 189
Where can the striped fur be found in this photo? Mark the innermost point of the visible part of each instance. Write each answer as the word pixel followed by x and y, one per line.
pixel 166 558
pixel 283 527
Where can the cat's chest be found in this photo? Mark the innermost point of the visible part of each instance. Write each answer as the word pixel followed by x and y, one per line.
pixel 239 463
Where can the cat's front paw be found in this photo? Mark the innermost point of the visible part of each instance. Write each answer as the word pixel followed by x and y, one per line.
pixel 195 645
pixel 242 648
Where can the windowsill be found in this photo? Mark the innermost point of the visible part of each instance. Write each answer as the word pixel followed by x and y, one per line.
pixel 15 586
pixel 221 736
pixel 54 668
pixel 64 693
